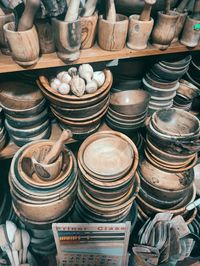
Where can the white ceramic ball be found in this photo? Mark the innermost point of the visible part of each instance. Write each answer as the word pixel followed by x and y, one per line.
pixel 64 89
pixel 55 83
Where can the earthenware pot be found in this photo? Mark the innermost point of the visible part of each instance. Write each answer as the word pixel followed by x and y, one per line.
pixel 139 32
pixel 164 30
pixel 22 53
pixel 67 36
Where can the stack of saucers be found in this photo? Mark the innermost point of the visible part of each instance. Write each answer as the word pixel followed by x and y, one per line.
pixel 37 202
pixel 26 112
pixel 162 82
pixel 108 184
pixel 82 115
pixel 128 110
pixel 166 170
pixel 2 130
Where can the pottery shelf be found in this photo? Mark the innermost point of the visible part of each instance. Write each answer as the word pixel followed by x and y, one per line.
pixel 94 54
pixel 11 148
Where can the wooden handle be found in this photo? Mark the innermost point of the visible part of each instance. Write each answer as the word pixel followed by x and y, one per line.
pixel 196 10
pixel 146 12
pixel 89 8
pixel 27 18
pixel 57 147
pixel 182 6
pixel 167 7
pixel 72 11
pixel 111 13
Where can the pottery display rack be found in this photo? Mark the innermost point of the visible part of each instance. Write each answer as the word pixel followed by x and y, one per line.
pixel 94 54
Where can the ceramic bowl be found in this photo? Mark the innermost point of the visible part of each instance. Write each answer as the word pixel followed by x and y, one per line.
pixel 167 74
pixel 81 112
pixel 149 78
pixel 125 116
pixel 33 120
pixel 125 124
pixel 126 120
pixel 180 60
pixel 130 102
pixel 25 112
pixel 174 122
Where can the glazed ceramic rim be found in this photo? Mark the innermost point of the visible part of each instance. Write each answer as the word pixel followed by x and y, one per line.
pixel 45 83
pixel 151 88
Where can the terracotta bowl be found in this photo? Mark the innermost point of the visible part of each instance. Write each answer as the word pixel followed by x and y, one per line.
pixel 126 120
pixel 45 83
pixel 125 124
pixel 25 112
pixel 179 61
pixel 149 78
pixel 77 113
pixel 174 122
pixel 34 120
pixel 74 103
pixel 130 102
pixel 165 179
pixel 125 116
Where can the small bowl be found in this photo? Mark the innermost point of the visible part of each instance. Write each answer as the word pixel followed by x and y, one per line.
pixel 176 123
pixel 180 60
pixel 130 102
pixel 155 83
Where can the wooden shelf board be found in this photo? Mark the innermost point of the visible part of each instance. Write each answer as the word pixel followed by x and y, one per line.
pixel 10 150
pixel 94 54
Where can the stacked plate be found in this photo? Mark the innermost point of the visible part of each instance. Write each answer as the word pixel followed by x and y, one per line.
pixel 40 202
pixel 166 171
pixel 2 130
pixel 82 115
pixel 128 110
pixel 26 112
pixel 185 95
pixel 162 82
pixel 108 184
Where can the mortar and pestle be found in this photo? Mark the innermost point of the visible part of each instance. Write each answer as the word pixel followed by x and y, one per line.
pixel 164 29
pixel 47 164
pixel 191 31
pixel 112 31
pixel 182 11
pixel 67 33
pixel 23 38
pixel 140 27
pixel 5 17
pixel 89 20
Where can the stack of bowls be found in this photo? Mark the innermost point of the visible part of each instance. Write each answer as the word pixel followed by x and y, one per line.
pixel 185 95
pixel 38 203
pixel 162 82
pixel 108 185
pixel 2 130
pixel 166 170
pixel 128 110
pixel 194 71
pixel 82 115
pixel 25 111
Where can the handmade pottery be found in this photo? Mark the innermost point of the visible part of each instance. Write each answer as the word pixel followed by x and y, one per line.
pixel 190 35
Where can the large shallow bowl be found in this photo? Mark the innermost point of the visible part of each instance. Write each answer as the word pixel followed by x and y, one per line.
pixel 132 102
pixel 45 83
pixel 175 122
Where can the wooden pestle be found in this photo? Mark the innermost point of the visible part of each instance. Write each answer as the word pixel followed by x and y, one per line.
pixel 72 11
pixel 146 12
pixel 89 8
pixel 167 7
pixel 111 12
pixel 27 18
pixel 196 10
pixel 180 8
pixel 57 147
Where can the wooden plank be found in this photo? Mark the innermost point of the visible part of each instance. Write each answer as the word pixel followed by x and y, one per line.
pixel 10 150
pixel 94 54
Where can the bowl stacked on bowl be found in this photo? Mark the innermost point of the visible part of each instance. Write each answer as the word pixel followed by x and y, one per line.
pixel 108 184
pixel 2 130
pixel 194 71
pixel 162 82
pixel 166 171
pixel 128 110
pixel 82 115
pixel 185 95
pixel 26 112
pixel 39 203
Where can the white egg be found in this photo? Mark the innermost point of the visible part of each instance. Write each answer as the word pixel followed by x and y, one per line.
pixel 99 77
pixel 64 89
pixel 59 76
pixel 66 78
pixel 55 83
